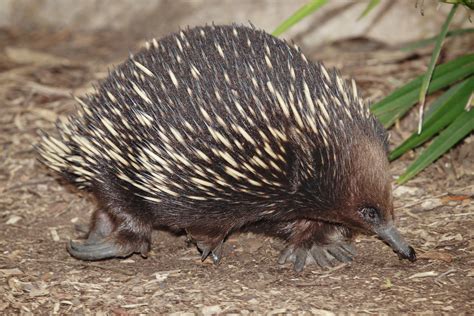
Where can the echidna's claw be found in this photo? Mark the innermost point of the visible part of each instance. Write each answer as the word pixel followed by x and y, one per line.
pixel 301 256
pixel 285 255
pixel 349 248
pixel 206 250
pixel 339 253
pixel 322 255
pixel 217 253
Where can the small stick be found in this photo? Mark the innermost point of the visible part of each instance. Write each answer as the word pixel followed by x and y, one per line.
pixel 81 264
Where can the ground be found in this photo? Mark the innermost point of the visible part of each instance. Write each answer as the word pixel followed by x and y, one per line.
pixel 38 72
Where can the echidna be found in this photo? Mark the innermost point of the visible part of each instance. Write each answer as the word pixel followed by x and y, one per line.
pixel 216 128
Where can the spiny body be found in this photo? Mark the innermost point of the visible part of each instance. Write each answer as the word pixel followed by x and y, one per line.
pixel 218 127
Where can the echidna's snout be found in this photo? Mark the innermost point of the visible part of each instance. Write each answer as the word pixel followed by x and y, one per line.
pixel 391 236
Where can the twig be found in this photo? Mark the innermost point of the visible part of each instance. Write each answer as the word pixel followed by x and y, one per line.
pixel 433 197
pixel 457 214
pixel 81 264
pixel 27 184
pixel 437 280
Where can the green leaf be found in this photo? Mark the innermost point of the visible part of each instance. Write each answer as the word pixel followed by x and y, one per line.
pixel 457 130
pixel 303 12
pixel 424 42
pixel 442 112
pixel 395 105
pixel 434 58
pixel 372 4
pixel 467 3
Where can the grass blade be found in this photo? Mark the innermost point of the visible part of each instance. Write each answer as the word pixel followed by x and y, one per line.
pixel 303 12
pixel 372 4
pixel 395 105
pixel 427 41
pixel 443 111
pixel 434 58
pixel 456 131
pixel 468 3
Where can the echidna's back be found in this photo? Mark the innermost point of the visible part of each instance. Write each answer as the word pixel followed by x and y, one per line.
pixel 209 114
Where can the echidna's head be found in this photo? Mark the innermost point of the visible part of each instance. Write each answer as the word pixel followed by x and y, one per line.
pixel 371 196
pixel 366 195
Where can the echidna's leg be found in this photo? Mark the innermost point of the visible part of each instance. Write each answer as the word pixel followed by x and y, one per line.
pixel 209 244
pixel 315 242
pixel 111 237
pixel 206 249
pixel 115 232
pixel 101 226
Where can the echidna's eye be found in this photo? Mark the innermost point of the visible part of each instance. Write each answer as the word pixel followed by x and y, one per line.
pixel 370 215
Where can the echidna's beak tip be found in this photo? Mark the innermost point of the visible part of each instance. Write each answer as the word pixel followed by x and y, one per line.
pixel 410 254
pixel 392 237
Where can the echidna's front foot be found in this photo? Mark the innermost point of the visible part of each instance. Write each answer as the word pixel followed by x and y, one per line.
pixel 208 245
pixel 322 255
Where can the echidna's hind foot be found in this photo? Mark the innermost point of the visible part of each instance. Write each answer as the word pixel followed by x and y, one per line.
pixel 102 225
pixel 323 255
pixel 108 239
pixel 101 250
pixel 115 246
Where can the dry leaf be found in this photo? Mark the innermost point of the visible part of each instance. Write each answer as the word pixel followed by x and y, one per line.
pixel 28 56
pixel 48 90
pixel 436 255
pixel 403 190
pixel 54 234
pixel 321 312
pixel 9 272
pixel 211 310
pixel 13 220
pixel 450 198
pixel 387 284
pixel 45 114
pixel 430 204
pixel 423 274
pixel 448 237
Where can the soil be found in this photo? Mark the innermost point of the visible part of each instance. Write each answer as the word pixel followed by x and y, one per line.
pixel 38 212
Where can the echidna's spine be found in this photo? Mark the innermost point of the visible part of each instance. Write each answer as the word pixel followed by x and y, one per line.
pixel 212 113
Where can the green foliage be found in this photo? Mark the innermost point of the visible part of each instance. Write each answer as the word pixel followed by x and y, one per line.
pixel 372 4
pixel 434 58
pixel 457 130
pixel 467 3
pixel 299 15
pixel 442 112
pixel 450 118
pixel 400 101
pixel 425 42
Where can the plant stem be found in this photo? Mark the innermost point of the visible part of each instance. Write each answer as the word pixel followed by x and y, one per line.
pixel 304 11
pixel 434 58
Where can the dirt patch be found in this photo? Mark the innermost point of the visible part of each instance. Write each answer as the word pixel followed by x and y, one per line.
pixel 38 212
